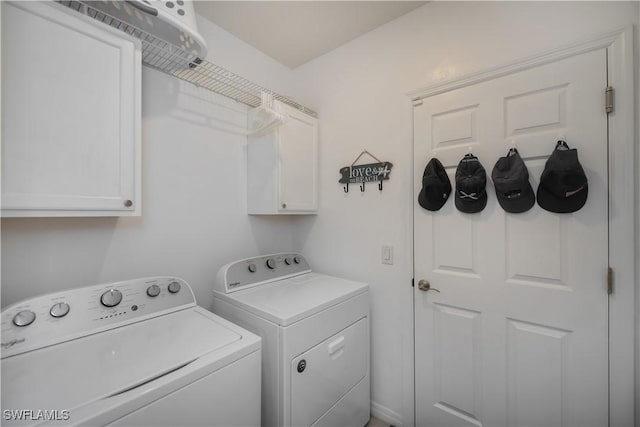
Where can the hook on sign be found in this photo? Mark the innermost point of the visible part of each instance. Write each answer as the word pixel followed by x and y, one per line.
pixel 363 173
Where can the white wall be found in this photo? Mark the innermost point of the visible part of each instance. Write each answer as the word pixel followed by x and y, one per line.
pixel 194 195
pixel 359 91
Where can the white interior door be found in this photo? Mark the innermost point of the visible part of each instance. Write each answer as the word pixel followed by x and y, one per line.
pixel 518 334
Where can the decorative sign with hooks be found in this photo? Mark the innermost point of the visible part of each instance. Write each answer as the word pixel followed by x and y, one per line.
pixel 370 172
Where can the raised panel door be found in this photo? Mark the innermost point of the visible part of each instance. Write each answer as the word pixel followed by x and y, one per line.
pixel 518 334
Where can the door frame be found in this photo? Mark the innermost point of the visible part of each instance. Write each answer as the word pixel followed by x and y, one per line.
pixel 622 210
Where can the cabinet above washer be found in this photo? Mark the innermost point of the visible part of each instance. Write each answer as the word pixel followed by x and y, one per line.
pixel 282 166
pixel 70 115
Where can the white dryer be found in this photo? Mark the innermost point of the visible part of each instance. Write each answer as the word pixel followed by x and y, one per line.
pixel 315 338
pixel 138 352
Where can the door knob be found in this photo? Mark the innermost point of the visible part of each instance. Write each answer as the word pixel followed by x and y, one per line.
pixel 425 286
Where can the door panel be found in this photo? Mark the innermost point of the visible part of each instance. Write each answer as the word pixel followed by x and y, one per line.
pixel 457 362
pixel 534 374
pixel 518 334
pixel 331 369
pixel 69 127
pixel 298 162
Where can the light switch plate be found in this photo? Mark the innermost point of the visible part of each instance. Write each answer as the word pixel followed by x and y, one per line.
pixel 387 255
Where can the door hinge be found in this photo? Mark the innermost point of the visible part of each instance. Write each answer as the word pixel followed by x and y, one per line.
pixel 417 102
pixel 412 282
pixel 608 99
pixel 609 280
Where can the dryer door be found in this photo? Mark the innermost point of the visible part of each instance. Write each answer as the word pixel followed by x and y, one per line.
pixel 326 372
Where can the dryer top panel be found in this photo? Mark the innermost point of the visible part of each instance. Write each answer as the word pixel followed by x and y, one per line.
pixel 249 272
pixel 287 301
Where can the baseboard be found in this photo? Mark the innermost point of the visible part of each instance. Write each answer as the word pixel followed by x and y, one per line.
pixel 386 414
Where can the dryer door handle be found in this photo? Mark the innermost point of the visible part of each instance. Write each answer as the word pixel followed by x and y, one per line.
pixel 336 345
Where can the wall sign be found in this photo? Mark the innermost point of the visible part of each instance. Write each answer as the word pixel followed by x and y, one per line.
pixel 370 172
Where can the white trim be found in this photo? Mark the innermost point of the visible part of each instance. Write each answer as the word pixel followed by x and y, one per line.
pixel 385 414
pixel 637 173
pixel 408 338
pixel 619 45
pixel 621 230
pixel 520 65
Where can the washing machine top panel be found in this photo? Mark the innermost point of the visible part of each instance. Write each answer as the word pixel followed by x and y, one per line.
pixel 80 346
pixel 70 374
pixel 290 300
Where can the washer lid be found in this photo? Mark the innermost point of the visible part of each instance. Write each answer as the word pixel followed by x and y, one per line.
pixel 74 373
pixel 287 301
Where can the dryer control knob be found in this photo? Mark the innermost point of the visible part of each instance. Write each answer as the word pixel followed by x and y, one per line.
pixel 271 263
pixel 111 298
pixel 287 261
pixel 252 268
pixel 153 291
pixel 60 309
pixel 296 259
pixel 24 318
pixel 174 287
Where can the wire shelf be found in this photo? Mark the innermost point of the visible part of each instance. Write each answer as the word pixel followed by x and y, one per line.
pixel 170 59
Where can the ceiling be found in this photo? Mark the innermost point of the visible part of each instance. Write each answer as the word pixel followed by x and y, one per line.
pixel 295 32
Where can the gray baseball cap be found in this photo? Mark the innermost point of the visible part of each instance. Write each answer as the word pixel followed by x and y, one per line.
pixel 511 180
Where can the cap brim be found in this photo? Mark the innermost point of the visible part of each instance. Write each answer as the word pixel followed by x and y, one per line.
pixel 471 206
pixel 520 204
pixel 552 203
pixel 429 204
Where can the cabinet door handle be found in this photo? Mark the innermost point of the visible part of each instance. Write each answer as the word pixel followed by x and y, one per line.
pixel 128 203
pixel 284 206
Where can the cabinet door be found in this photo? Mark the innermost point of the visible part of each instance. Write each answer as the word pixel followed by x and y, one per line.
pixel 70 115
pixel 298 178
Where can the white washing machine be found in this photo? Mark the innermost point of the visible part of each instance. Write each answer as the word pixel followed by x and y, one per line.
pixel 138 352
pixel 315 338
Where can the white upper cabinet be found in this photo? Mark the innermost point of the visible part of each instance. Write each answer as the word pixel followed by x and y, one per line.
pixel 70 115
pixel 282 167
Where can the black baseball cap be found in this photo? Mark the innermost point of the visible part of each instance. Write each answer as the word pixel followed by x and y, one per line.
pixel 436 186
pixel 511 180
pixel 563 184
pixel 471 180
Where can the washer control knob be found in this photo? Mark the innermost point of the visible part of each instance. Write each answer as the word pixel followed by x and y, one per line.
pixel 60 309
pixel 24 318
pixel 111 298
pixel 271 263
pixel 174 287
pixel 296 259
pixel 252 268
pixel 153 291
pixel 287 261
